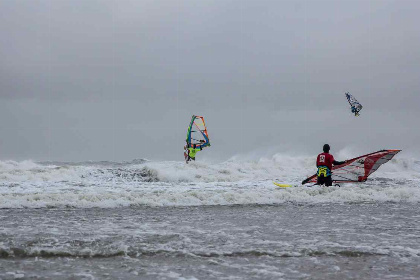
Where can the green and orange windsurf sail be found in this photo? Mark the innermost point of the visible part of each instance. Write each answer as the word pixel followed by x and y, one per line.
pixel 197 133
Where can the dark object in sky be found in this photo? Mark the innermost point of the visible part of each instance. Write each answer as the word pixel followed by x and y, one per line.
pixel 354 104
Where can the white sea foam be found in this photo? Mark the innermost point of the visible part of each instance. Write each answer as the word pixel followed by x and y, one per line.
pixel 236 181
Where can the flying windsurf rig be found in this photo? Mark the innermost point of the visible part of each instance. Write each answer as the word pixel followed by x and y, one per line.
pixel 355 106
pixel 197 133
pixel 357 169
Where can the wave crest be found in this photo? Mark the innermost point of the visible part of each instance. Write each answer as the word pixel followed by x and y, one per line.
pixel 36 185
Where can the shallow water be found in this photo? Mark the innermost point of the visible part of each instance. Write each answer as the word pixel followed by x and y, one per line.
pixel 290 241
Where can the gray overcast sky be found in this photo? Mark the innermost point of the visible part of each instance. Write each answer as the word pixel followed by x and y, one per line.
pixel 118 80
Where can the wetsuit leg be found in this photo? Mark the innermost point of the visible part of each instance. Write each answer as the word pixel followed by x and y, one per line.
pixel 320 180
pixel 328 181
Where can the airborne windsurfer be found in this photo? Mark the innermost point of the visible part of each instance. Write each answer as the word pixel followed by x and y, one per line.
pixel 355 111
pixel 354 104
pixel 324 163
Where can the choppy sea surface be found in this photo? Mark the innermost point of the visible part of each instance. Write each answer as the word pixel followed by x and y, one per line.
pixel 168 220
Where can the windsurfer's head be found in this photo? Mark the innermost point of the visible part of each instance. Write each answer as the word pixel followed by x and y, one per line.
pixel 326 148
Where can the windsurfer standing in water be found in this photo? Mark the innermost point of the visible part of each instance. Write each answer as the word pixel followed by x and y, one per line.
pixel 324 163
pixel 190 152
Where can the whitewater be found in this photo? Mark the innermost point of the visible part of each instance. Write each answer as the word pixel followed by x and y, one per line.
pixel 28 184
pixel 206 220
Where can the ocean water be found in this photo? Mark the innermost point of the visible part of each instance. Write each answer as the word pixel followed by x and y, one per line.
pixel 168 220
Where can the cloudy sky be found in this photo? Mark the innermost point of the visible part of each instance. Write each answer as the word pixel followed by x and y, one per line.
pixel 119 80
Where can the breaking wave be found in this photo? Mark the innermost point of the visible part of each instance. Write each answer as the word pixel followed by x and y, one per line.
pixel 28 184
pixel 108 250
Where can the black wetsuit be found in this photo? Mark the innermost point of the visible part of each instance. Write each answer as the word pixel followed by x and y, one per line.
pixel 324 163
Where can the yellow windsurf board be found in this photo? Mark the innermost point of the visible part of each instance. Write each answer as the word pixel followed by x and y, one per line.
pixel 282 185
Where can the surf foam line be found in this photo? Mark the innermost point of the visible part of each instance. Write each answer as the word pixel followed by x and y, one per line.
pixel 262 193
pixel 48 252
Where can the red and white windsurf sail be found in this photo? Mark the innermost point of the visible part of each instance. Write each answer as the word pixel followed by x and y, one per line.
pixel 358 169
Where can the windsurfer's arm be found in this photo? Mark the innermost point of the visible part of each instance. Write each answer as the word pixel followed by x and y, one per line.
pixel 339 162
